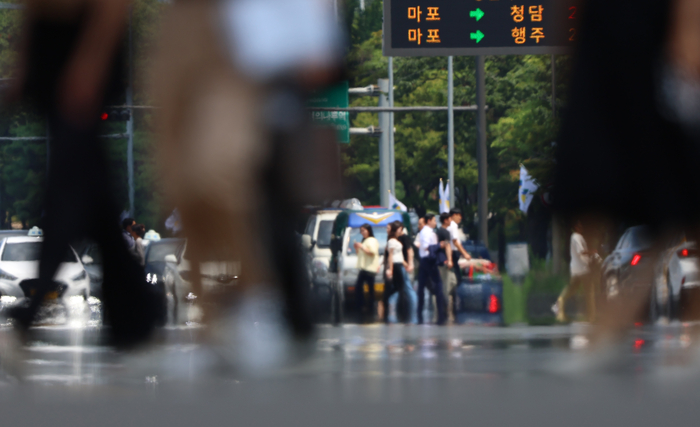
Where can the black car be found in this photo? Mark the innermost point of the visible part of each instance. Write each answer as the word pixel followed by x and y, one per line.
pixel 630 266
pixel 155 255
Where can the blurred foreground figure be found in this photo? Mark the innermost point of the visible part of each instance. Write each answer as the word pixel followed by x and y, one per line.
pixel 630 141
pixel 237 153
pixel 70 65
pixel 581 276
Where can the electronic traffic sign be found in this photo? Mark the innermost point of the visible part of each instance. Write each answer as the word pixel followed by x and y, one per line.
pixel 479 27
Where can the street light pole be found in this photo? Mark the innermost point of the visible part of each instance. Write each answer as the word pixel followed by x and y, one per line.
pixel 392 160
pixel 450 131
pixel 384 149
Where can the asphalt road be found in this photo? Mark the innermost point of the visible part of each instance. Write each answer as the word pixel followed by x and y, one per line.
pixel 397 375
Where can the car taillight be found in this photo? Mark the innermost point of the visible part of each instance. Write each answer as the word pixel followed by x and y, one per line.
pixel 494 304
pixel 635 259
pixel 685 253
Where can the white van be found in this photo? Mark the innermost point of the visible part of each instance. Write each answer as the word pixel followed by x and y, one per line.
pixel 317 240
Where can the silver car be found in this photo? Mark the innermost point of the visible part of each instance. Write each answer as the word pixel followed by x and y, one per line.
pixel 676 278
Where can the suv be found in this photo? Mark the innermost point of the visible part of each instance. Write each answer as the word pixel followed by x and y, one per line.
pixel 317 241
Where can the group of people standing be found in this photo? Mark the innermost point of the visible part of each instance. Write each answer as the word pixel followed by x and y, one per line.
pixel 438 249
pixel 134 234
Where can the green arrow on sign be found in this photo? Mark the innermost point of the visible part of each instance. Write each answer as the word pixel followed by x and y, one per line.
pixel 478 14
pixel 478 35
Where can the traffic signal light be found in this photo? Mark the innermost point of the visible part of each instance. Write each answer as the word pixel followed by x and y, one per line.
pixel 116 115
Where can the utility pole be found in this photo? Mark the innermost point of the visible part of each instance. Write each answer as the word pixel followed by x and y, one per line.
pixel 384 146
pixel 483 208
pixel 450 132
pixel 130 123
pixel 392 160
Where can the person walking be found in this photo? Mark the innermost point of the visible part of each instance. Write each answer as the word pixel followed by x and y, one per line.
pixel 428 271
pixel 401 283
pixel 127 233
pixel 580 269
pixel 455 242
pixel 139 232
pixel 70 66
pixel 367 264
pixel 446 262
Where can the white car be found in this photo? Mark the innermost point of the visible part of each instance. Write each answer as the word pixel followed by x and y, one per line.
pixel 19 263
pixel 676 280
pixel 317 240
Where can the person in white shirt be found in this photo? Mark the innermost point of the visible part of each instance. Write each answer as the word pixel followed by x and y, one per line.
pixel 428 273
pixel 580 276
pixel 368 265
pixel 457 248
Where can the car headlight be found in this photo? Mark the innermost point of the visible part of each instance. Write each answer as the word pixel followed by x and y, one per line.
pixel 152 278
pixel 4 275
pixel 81 276
pixel 320 269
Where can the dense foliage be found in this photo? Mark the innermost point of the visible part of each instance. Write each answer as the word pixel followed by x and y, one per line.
pixel 23 163
pixel 521 125
pixel 521 129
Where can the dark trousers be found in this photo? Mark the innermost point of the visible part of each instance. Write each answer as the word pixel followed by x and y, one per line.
pixel 429 276
pixel 396 284
pixel 78 204
pixel 455 265
pixel 366 313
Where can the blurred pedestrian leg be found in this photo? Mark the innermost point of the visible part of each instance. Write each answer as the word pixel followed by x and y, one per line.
pixel 72 65
pixel 236 148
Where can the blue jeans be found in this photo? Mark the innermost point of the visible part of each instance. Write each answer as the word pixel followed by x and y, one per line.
pixel 429 277
pixel 410 295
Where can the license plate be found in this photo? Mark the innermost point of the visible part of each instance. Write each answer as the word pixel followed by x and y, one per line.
pixel 378 287
pixel 49 296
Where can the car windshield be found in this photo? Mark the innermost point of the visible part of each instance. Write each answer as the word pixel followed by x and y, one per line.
pixel 94 252
pixel 30 251
pixel 325 230
pixel 158 251
pixel 355 236
pixel 640 238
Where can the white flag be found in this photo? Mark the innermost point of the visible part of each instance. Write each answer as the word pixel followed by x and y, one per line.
pixel 174 223
pixel 394 203
pixel 447 197
pixel 527 189
pixel 444 192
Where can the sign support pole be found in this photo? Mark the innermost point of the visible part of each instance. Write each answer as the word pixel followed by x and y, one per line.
pixel 483 209
pixel 384 148
pixel 392 187
pixel 450 131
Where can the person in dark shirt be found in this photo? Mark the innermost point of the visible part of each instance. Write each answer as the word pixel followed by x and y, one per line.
pixel 447 273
